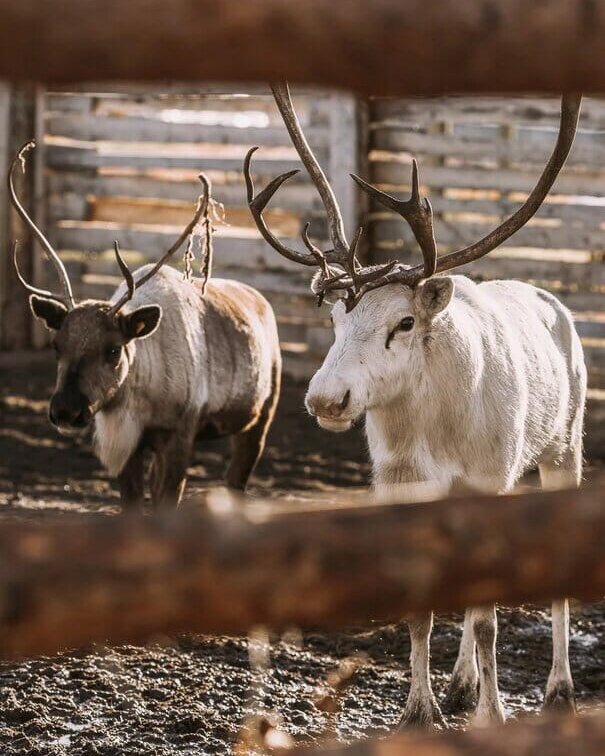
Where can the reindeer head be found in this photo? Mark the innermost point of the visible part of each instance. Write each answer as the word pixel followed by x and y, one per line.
pixel 384 314
pixel 93 340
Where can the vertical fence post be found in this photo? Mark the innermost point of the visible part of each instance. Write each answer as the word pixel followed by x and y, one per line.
pixel 5 98
pixel 39 334
pixel 21 126
pixel 344 157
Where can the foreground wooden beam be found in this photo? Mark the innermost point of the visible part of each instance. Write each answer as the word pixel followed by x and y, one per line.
pixel 547 736
pixel 395 47
pixel 71 581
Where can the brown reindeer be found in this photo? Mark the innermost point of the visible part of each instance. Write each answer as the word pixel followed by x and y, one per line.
pixel 164 362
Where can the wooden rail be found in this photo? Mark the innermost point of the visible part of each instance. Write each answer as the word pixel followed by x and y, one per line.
pixel 386 46
pixel 550 736
pixel 72 581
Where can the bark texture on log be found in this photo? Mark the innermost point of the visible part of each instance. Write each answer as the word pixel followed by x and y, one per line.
pixel 547 736
pixel 395 47
pixel 72 581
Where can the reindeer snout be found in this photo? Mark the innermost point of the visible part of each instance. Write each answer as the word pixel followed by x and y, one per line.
pixel 323 406
pixel 65 414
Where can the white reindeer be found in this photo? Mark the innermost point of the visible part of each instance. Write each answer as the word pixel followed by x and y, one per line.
pixel 457 381
pixel 165 362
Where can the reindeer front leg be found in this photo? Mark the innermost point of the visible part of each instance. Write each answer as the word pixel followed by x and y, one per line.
pixel 169 467
pixel 132 481
pixel 422 710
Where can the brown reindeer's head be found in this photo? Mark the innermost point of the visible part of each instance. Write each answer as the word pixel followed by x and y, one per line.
pixel 91 339
pixel 93 360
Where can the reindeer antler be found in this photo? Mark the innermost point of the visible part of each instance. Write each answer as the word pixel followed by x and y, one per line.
pixel 347 275
pixel 68 298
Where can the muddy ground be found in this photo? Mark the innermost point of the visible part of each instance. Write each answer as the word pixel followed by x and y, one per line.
pixel 190 695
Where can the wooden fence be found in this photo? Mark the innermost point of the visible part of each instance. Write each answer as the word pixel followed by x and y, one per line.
pixel 120 162
pixel 478 160
pixel 124 165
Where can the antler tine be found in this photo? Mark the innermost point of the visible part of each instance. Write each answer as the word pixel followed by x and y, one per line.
pixel 53 257
pixel 130 283
pixel 202 202
pixel 570 113
pixel 258 203
pixel 29 287
pixel 417 211
pixel 338 254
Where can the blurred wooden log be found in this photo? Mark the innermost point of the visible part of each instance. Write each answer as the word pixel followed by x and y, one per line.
pixel 69 581
pixel 550 736
pixel 395 47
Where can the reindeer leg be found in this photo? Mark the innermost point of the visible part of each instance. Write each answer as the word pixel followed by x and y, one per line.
pixel 421 708
pixel 169 468
pixel 485 629
pixel 247 447
pixel 132 481
pixel 559 688
pixel 462 691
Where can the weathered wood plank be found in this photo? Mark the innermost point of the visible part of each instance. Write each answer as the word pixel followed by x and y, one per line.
pixel 561 735
pixel 343 154
pixel 176 185
pixel 126 211
pixel 505 180
pixel 93 127
pixel 68 41
pixel 278 564
pixel 72 155
pixel 479 109
pixel 456 233
pixel 588 212
pixel 5 108
pixel 531 145
pixel 232 246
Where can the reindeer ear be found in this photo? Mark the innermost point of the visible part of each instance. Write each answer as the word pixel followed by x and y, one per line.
pixel 141 322
pixel 51 312
pixel 433 296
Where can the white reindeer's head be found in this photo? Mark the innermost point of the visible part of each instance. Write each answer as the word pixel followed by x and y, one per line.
pixel 378 350
pixel 385 314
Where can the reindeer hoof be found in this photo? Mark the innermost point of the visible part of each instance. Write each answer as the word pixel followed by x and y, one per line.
pixel 461 696
pixel 560 698
pixel 491 714
pixel 422 715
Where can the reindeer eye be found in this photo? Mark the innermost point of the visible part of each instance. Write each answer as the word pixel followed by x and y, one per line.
pixel 112 353
pixel 407 324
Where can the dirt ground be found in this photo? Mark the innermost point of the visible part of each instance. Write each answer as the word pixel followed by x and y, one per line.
pixel 190 695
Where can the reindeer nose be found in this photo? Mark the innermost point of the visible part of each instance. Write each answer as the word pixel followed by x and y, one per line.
pixel 322 406
pixel 61 414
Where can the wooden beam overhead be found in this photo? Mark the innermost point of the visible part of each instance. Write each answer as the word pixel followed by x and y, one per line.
pixel 386 47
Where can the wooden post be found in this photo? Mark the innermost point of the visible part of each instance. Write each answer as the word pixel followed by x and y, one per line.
pixel 5 96
pixel 344 158
pixel 17 321
pixel 39 334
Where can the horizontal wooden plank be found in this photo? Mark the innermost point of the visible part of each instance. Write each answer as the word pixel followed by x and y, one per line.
pixel 453 234
pixel 587 212
pixel 93 127
pixel 233 246
pixel 529 145
pixel 126 210
pixel 502 110
pixel 172 184
pixel 397 173
pixel 80 155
